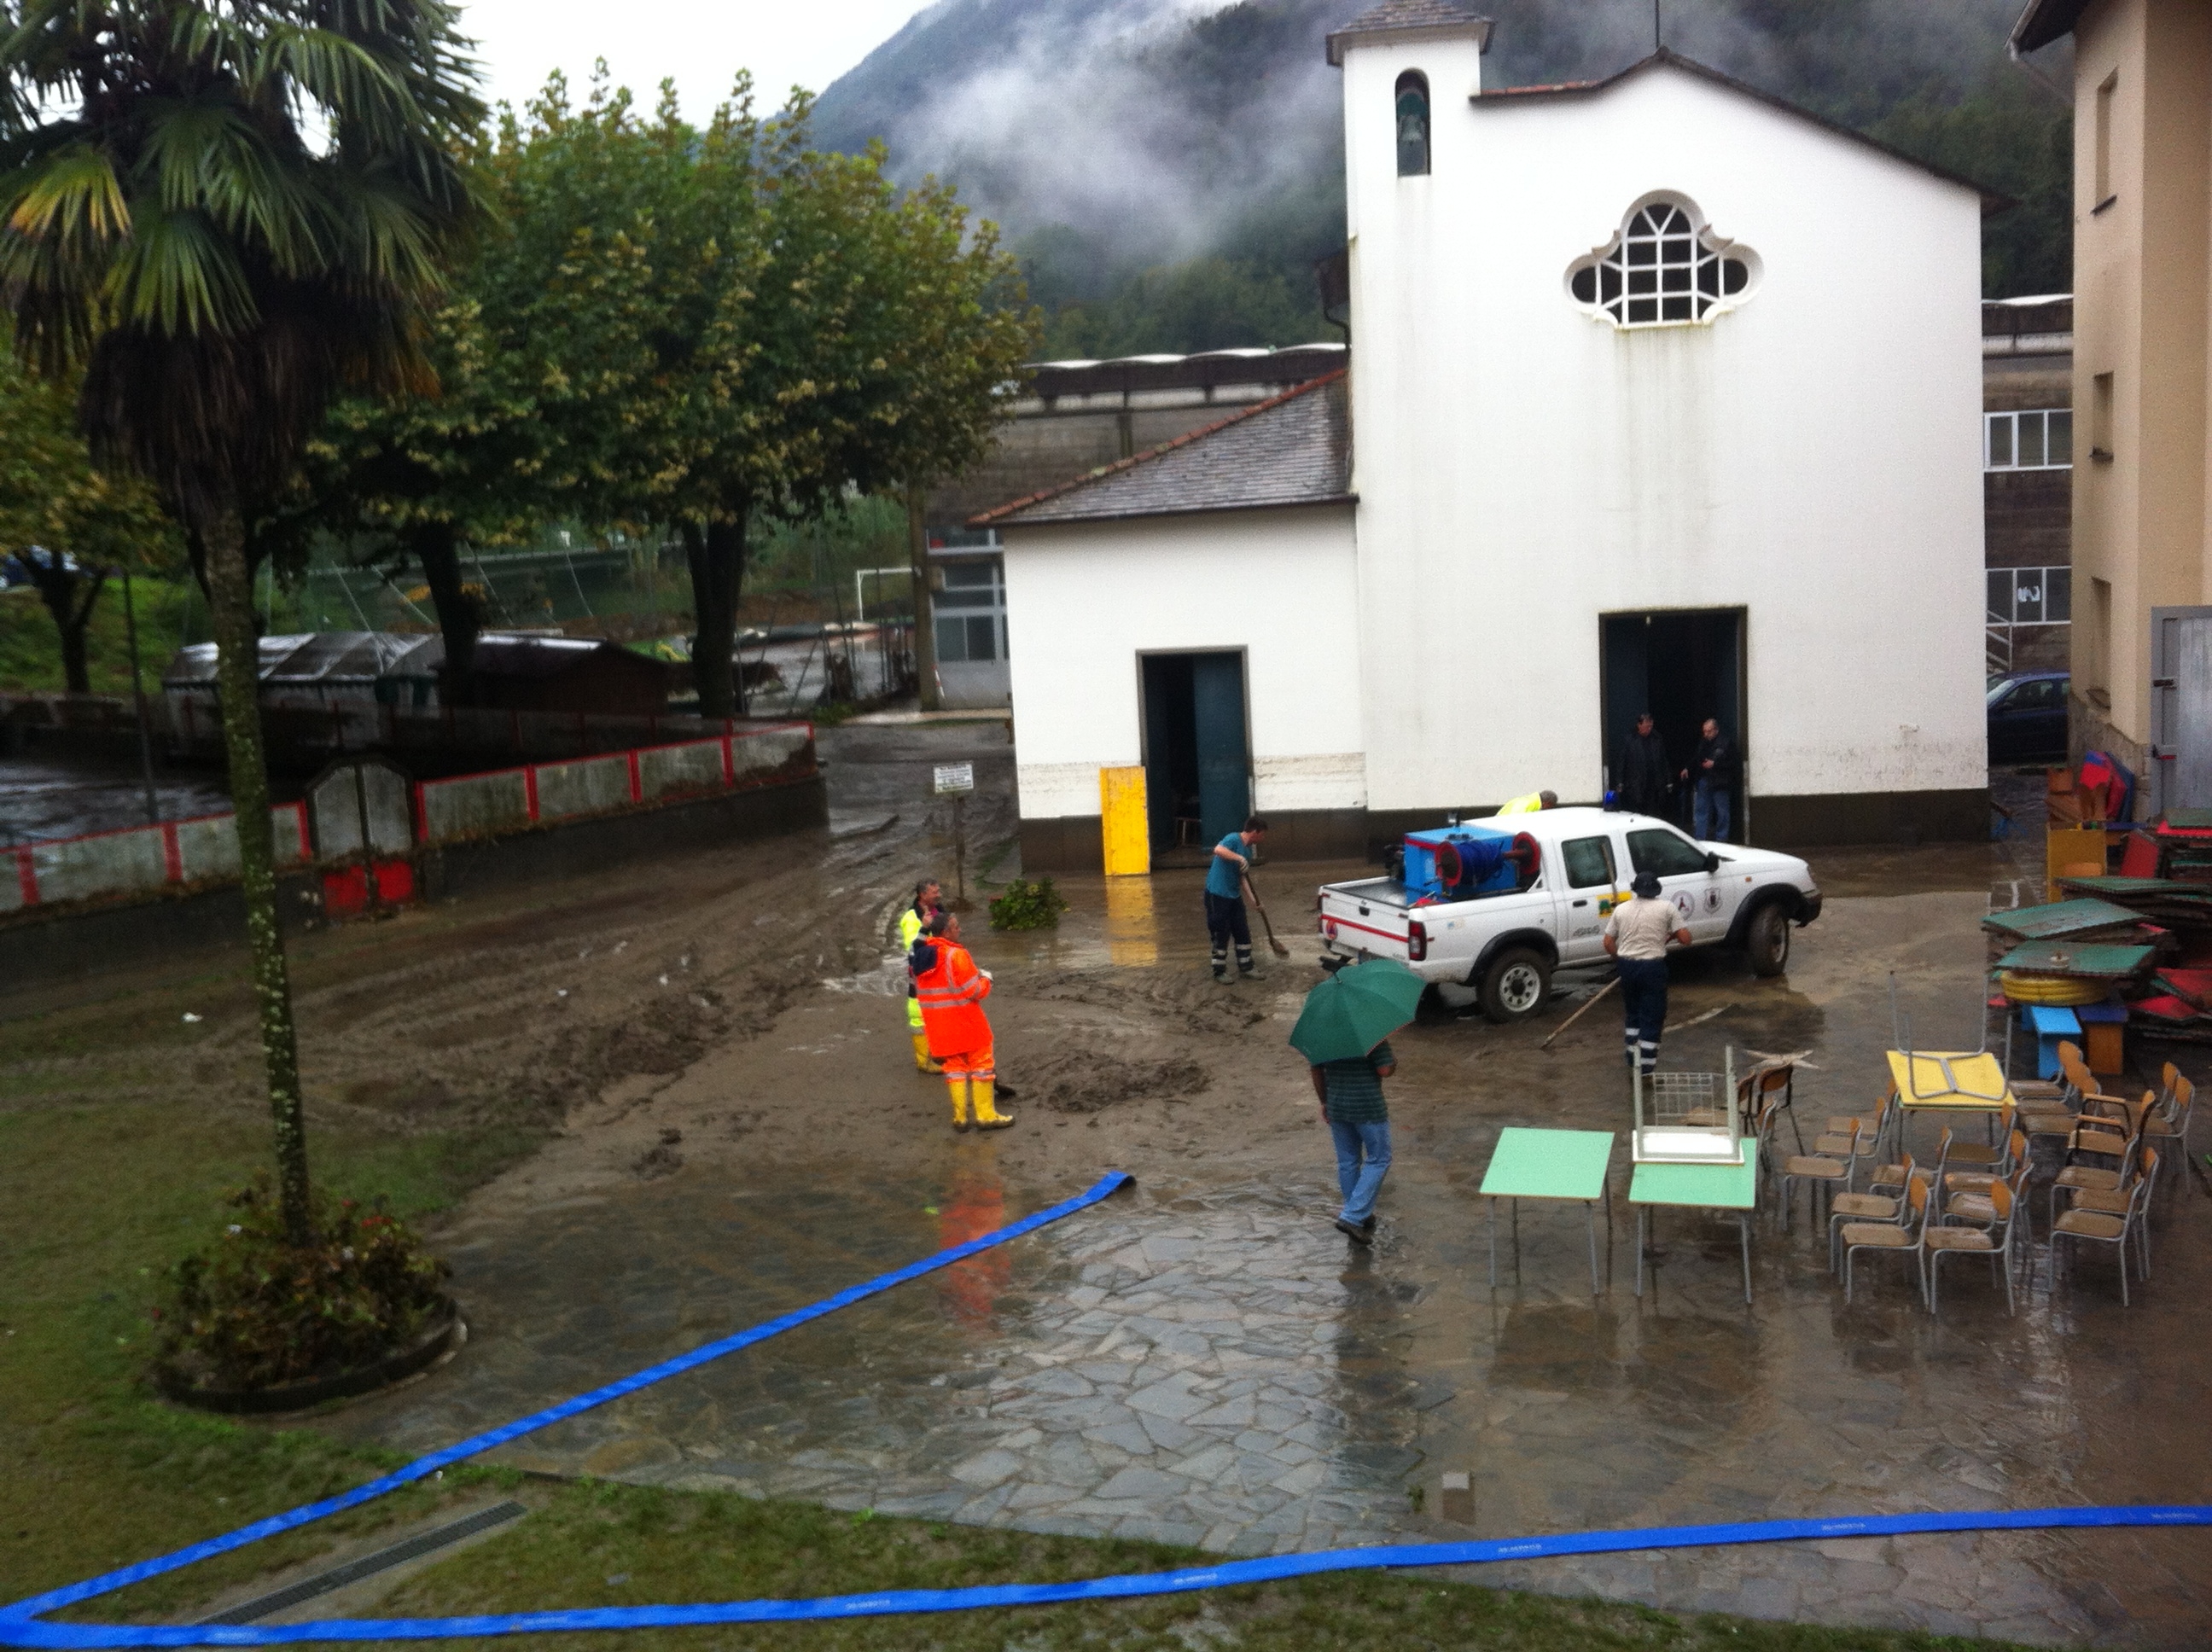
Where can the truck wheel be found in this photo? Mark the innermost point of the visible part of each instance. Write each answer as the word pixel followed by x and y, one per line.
pixel 1767 939
pixel 1518 985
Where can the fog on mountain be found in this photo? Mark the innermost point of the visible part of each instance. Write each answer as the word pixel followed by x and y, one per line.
pixel 1171 170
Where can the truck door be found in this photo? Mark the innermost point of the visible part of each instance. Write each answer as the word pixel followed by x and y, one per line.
pixel 1588 869
pixel 1698 896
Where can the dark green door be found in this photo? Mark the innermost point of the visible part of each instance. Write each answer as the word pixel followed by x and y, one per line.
pixel 1225 765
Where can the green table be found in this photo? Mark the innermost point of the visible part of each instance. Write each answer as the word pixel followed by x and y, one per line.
pixel 1561 1164
pixel 1704 1186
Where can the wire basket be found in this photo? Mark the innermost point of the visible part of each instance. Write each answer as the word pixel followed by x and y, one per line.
pixel 1687 1118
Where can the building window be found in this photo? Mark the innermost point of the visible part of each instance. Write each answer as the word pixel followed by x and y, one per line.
pixel 1662 267
pixel 2039 440
pixel 1412 110
pixel 2100 417
pixel 971 613
pixel 2031 596
pixel 2101 160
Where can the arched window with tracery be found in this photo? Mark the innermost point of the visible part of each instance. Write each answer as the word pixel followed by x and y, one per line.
pixel 1663 266
pixel 1413 109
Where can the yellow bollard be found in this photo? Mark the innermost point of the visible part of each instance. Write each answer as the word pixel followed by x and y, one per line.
pixel 1123 823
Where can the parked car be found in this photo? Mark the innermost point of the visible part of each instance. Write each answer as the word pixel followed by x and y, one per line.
pixel 2028 718
pixel 1500 948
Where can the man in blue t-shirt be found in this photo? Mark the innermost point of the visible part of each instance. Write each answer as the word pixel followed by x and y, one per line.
pixel 1224 898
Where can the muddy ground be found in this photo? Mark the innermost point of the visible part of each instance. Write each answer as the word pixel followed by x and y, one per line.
pixel 710 1053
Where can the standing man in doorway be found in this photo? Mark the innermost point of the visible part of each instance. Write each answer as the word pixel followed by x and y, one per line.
pixel 1643 782
pixel 1224 898
pixel 1635 935
pixel 929 897
pixel 1714 771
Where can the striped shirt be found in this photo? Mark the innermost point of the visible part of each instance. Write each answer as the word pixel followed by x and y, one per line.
pixel 1355 1089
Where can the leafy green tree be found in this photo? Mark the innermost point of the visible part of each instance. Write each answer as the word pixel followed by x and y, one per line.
pixel 830 335
pixel 226 215
pixel 68 525
pixel 548 403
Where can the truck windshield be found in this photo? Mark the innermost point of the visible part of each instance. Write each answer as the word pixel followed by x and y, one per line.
pixel 1665 854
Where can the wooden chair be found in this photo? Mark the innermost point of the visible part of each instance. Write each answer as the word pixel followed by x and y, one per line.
pixel 1755 1096
pixel 1974 1204
pixel 1970 1156
pixel 1831 1163
pixel 1905 1238
pixel 2167 1125
pixel 2090 1178
pixel 1994 1240
pixel 1872 1205
pixel 2101 1228
pixel 1973 1181
pixel 2115 1203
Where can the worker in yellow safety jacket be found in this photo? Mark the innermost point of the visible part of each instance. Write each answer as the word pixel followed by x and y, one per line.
pixel 929 897
pixel 951 990
pixel 1531 803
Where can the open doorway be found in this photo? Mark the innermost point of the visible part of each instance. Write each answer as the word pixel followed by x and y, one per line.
pixel 1198 767
pixel 1682 666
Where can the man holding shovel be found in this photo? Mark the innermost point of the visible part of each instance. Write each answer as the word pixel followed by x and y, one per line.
pixel 1226 884
pixel 1344 1033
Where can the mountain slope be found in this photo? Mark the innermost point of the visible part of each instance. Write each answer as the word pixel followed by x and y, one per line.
pixel 1169 169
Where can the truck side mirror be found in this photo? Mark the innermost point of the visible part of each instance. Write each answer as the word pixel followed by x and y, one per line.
pixel 1712 861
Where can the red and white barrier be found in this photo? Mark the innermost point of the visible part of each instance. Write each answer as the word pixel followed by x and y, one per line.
pixel 144 859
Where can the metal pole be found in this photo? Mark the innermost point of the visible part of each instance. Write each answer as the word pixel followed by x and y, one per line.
pixel 138 698
pixel 960 842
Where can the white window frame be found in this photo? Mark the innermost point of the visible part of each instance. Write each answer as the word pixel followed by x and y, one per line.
pixel 2042 580
pixel 1700 264
pixel 2001 436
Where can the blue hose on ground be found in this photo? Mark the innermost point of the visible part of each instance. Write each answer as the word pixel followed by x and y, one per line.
pixel 20 1625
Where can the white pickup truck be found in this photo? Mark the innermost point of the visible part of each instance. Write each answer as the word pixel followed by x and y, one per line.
pixel 1501 949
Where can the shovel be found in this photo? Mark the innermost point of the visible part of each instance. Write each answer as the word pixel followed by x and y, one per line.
pixel 1274 945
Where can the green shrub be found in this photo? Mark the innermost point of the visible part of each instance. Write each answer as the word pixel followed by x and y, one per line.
pixel 1028 906
pixel 250 1310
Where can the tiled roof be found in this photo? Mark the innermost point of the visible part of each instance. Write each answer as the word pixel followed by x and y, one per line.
pixel 1408 17
pixel 1293 450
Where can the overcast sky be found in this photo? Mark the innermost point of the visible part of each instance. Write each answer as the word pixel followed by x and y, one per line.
pixel 702 42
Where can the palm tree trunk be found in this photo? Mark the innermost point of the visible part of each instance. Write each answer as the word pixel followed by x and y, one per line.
pixel 230 592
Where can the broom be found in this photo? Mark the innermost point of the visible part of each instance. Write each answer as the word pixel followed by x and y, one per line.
pixel 1274 945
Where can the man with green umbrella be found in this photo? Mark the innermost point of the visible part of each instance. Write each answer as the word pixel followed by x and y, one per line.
pixel 1344 1032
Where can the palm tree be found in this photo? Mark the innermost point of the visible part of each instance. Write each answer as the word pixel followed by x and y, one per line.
pixel 225 213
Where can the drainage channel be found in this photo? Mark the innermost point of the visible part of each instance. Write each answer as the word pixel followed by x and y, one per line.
pixel 368 1565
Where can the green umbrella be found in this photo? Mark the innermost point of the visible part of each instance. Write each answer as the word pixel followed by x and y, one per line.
pixel 1355 1009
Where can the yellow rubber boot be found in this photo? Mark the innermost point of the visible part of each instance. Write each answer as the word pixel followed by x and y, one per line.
pixel 987 1117
pixel 923 1061
pixel 958 1087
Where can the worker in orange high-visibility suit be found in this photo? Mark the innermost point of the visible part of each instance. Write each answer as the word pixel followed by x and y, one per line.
pixel 951 990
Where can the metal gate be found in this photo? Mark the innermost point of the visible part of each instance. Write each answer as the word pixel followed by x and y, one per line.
pixel 2181 708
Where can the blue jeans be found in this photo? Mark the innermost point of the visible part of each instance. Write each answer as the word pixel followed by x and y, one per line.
pixel 1709 812
pixel 1362 1159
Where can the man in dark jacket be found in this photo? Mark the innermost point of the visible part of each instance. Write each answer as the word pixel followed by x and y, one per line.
pixel 1714 767
pixel 1643 782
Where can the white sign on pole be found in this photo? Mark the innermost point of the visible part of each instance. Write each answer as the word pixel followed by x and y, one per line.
pixel 955 778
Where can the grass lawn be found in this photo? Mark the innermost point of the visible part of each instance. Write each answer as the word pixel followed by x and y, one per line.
pixel 94 1474
pixel 31 648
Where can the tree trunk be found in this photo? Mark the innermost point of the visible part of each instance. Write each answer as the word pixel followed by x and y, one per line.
pixel 924 621
pixel 716 553
pixel 460 612
pixel 230 587
pixel 58 589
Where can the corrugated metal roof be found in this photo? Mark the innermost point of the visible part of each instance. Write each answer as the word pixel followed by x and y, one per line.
pixel 1295 449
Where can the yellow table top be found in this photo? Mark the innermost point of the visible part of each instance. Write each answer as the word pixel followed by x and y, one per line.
pixel 1960 1080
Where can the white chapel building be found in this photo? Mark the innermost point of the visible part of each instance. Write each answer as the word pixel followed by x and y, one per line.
pixel 1662 394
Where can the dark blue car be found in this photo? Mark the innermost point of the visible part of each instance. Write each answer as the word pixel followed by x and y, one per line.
pixel 2028 718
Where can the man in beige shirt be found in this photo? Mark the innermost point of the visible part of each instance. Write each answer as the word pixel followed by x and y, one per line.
pixel 1635 934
